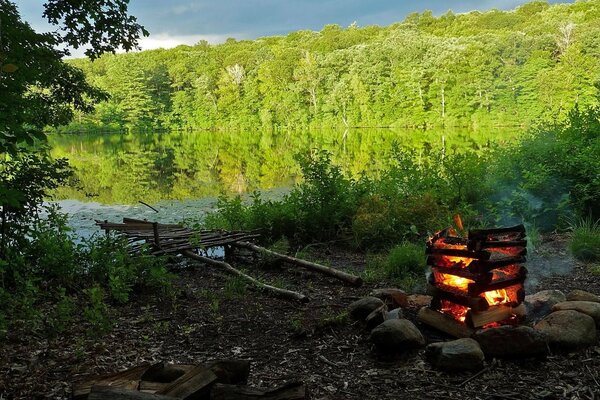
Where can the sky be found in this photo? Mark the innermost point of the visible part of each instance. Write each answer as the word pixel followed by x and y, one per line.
pixel 174 22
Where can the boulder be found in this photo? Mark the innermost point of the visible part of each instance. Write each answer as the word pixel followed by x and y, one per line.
pixel 396 313
pixel 457 355
pixel 360 309
pixel 512 342
pixel 586 307
pixel 582 295
pixel 392 297
pixel 376 317
pixel 396 335
pixel 568 329
pixel 540 304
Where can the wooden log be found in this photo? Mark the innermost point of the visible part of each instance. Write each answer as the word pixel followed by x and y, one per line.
pixel 341 275
pixel 288 294
pixel 479 267
pixel 498 313
pixel 477 255
pixel 152 387
pixel 456 296
pixel 113 393
pixel 484 233
pixel 475 289
pixel 444 323
pixel 479 246
pixel 194 384
pixel 289 391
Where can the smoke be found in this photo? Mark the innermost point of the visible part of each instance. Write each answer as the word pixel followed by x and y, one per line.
pixel 544 264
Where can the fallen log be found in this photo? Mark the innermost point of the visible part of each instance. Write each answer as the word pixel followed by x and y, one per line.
pixel 288 294
pixel 290 391
pixel 113 393
pixel 341 275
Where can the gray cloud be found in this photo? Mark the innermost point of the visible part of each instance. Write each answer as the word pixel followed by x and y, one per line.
pixel 255 18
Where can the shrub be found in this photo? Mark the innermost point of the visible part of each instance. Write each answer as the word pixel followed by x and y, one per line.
pixel 404 264
pixel 585 240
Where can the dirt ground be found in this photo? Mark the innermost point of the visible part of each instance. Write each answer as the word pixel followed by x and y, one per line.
pixel 288 341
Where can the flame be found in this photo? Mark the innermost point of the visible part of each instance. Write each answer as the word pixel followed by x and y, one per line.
pixel 495 297
pixel 458 222
pixel 453 281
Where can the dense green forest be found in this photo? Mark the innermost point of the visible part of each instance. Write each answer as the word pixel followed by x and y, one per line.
pixel 478 68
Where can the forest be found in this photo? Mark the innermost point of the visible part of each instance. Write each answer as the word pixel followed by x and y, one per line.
pixel 494 68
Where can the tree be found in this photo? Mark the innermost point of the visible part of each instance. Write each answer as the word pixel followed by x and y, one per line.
pixel 38 88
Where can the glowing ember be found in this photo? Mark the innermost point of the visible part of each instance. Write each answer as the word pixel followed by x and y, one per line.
pixel 453 281
pixel 457 311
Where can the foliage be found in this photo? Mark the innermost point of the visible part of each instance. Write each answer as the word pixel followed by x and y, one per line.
pixel 469 69
pixel 38 88
pixel 41 262
pixel 93 23
pixel 585 240
pixel 404 264
pixel 552 176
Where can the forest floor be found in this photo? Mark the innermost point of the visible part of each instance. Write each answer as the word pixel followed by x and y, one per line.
pixel 288 341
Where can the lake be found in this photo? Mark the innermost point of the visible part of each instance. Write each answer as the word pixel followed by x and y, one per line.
pixel 181 173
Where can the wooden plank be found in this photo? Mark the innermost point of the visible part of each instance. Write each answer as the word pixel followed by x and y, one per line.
pixel 117 379
pixel 289 391
pixel 194 384
pixel 113 393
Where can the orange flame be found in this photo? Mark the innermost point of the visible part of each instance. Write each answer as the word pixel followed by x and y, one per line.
pixel 458 222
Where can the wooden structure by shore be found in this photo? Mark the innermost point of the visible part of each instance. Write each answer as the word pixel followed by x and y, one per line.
pixel 174 239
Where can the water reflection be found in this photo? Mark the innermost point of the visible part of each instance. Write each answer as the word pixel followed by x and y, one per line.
pixel 123 169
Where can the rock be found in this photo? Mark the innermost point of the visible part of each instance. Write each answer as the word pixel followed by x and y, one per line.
pixel 582 295
pixel 376 317
pixel 418 300
pixel 396 313
pixel 540 304
pixel 396 335
pixel 586 307
pixel 457 355
pixel 512 342
pixel 392 297
pixel 568 329
pixel 361 309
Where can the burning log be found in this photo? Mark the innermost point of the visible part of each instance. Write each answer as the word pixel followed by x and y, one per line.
pixel 444 322
pixel 476 280
pixel 477 319
pixel 456 296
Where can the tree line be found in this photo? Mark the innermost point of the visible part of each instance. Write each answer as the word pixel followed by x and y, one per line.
pixel 478 68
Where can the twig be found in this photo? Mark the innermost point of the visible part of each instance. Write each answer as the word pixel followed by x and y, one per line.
pixel 148 205
pixel 326 361
pixel 483 371
pixel 592 375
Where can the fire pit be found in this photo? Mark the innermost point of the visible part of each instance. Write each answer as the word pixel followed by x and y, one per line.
pixel 477 281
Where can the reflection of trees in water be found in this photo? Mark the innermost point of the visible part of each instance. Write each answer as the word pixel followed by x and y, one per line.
pixel 151 167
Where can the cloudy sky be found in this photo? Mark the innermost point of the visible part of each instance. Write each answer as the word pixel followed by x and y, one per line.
pixel 173 22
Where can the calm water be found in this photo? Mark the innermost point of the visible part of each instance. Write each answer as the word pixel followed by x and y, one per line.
pixel 118 169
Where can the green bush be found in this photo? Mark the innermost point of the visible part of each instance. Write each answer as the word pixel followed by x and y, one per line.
pixel 585 240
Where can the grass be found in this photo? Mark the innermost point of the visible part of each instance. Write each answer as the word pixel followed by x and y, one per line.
pixel 585 240
pixel 404 265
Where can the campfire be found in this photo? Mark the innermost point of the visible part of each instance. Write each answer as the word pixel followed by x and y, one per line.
pixel 477 280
